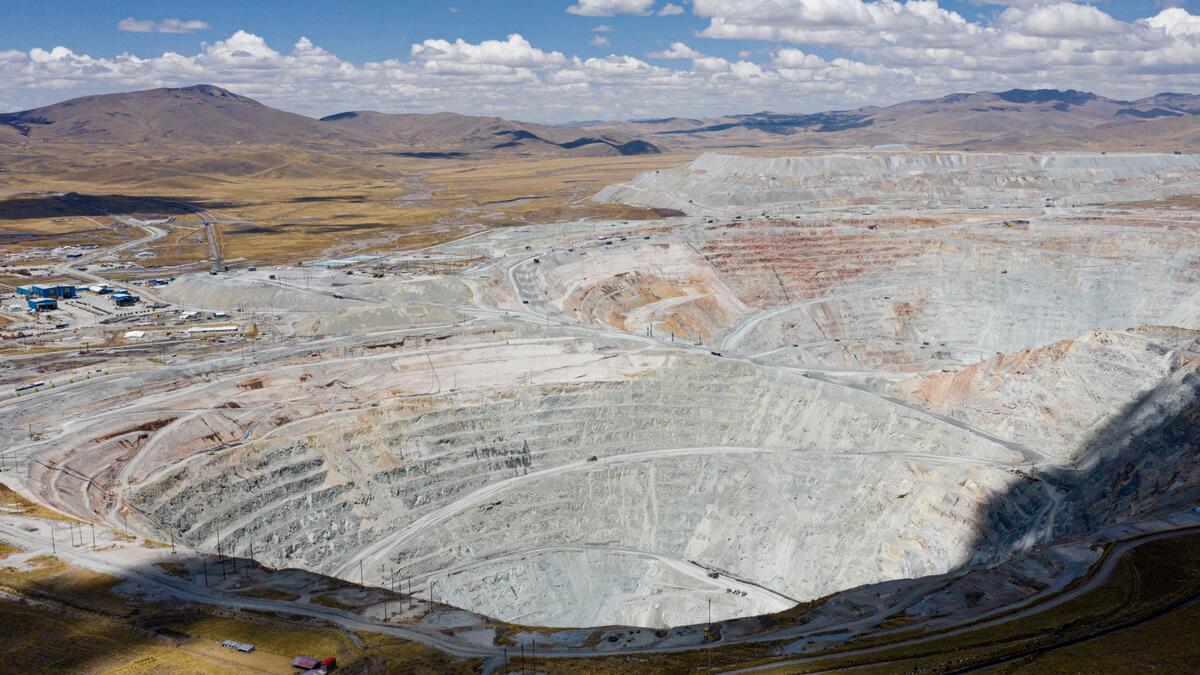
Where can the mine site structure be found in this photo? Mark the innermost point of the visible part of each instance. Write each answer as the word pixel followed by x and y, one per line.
pixel 676 432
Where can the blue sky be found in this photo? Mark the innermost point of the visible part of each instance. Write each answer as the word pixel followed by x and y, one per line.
pixel 736 55
pixel 357 31
pixel 371 31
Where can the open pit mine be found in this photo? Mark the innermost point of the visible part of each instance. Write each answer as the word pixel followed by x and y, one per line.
pixel 926 385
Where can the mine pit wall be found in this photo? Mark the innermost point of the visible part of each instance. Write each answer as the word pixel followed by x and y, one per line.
pixel 1144 462
pixel 1139 465
pixel 666 287
pixel 918 520
pixel 720 182
pixel 1056 397
pixel 971 300
pixel 721 436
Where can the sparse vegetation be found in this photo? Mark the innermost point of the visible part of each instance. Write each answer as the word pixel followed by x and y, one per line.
pixel 12 501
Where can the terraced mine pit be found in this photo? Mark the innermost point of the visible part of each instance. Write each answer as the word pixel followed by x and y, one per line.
pixel 784 395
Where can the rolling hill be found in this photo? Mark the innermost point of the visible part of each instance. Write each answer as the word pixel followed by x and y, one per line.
pixel 197 115
pixel 454 135
pixel 190 135
pixel 1018 119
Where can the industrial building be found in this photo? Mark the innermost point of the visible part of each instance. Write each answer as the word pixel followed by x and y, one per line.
pixel 55 291
pixel 42 304
pixel 125 299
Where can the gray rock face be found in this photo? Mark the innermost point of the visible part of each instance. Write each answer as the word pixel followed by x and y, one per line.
pixel 582 430
pixel 716 182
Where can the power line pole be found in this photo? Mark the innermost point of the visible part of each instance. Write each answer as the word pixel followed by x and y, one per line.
pixel 708 652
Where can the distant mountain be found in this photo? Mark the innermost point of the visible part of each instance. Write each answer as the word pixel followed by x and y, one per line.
pixel 199 115
pixel 451 134
pixel 956 120
pixel 213 118
pixel 193 128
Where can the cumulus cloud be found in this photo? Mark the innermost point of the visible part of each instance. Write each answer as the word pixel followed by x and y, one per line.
pixel 819 55
pixel 611 7
pixel 1176 23
pixel 512 52
pixel 710 64
pixel 599 41
pixel 669 10
pixel 132 25
pixel 792 59
pixel 1062 20
pixel 602 28
pixel 678 50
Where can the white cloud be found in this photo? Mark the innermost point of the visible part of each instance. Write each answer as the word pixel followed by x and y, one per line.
pixel 822 54
pixel 1176 22
pixel 132 25
pixel 670 10
pixel 747 70
pixel 242 49
pixel 603 28
pixel 611 7
pixel 678 50
pixel 710 64
pixel 1061 20
pixel 599 41
pixel 514 52
pixel 794 59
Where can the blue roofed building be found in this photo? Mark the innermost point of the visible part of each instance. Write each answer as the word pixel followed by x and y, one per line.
pixel 54 291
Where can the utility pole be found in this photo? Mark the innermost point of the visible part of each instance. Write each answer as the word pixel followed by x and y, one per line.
pixel 93 535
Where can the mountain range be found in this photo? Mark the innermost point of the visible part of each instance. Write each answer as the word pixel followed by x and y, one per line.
pixel 180 124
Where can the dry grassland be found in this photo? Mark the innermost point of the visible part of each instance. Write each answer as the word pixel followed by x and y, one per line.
pixel 305 207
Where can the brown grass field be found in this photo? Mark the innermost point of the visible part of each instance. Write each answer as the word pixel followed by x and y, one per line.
pixel 347 204
pixel 1128 624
